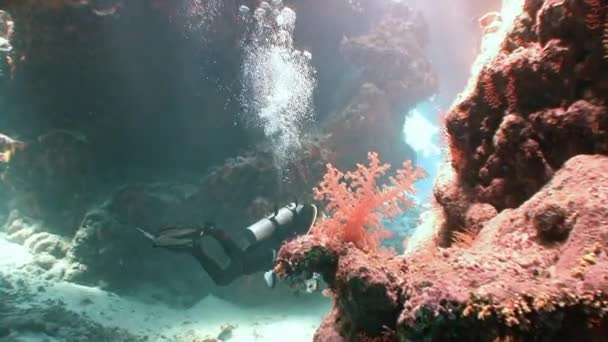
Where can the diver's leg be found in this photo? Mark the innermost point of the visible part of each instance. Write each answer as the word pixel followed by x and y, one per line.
pixel 219 275
pixel 228 244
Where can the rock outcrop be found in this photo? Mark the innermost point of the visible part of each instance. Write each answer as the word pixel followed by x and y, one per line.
pixel 517 250
pixel 538 102
pixel 533 273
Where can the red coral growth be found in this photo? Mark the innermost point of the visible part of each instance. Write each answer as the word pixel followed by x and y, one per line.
pixel 519 62
pixel 490 94
pixel 511 93
pixel 357 205
pixel 593 18
pixel 453 153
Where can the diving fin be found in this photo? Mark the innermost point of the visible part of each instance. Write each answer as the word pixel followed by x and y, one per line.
pixel 148 235
pixel 173 238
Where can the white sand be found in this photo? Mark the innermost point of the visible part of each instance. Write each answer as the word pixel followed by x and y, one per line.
pixel 271 323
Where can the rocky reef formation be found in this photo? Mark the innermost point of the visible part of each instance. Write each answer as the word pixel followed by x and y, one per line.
pixel 52 179
pixel 518 246
pixel 536 272
pixel 537 103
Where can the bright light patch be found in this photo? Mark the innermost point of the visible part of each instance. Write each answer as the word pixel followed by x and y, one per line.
pixel 12 255
pixel 491 42
pixel 419 134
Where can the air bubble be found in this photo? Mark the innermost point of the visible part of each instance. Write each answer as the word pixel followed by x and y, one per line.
pixel 283 38
pixel 287 19
pixel 266 6
pixel 278 83
pixel 259 13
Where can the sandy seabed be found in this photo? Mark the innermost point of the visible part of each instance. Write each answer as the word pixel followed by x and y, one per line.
pixel 26 293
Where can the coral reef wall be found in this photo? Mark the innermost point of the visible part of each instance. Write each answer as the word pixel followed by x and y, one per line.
pixel 537 103
pixel 518 250
pixel 534 273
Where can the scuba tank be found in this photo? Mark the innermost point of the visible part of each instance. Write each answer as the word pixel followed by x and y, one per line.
pixel 290 220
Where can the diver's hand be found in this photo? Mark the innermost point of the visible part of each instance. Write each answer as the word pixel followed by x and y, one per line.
pixel 269 277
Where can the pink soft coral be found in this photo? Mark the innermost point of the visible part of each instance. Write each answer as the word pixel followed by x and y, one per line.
pixel 356 205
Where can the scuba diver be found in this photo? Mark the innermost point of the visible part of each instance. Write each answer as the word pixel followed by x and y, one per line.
pixel 250 250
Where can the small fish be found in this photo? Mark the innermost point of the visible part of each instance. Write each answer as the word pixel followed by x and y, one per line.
pixel 5 157
pixel 107 11
pixel 104 12
pixel 8 147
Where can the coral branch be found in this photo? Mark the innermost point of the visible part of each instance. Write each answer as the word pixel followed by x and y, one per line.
pixel 490 93
pixel 511 93
pixel 357 205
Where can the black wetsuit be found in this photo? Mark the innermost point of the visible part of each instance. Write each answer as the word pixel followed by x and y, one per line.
pixel 248 255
